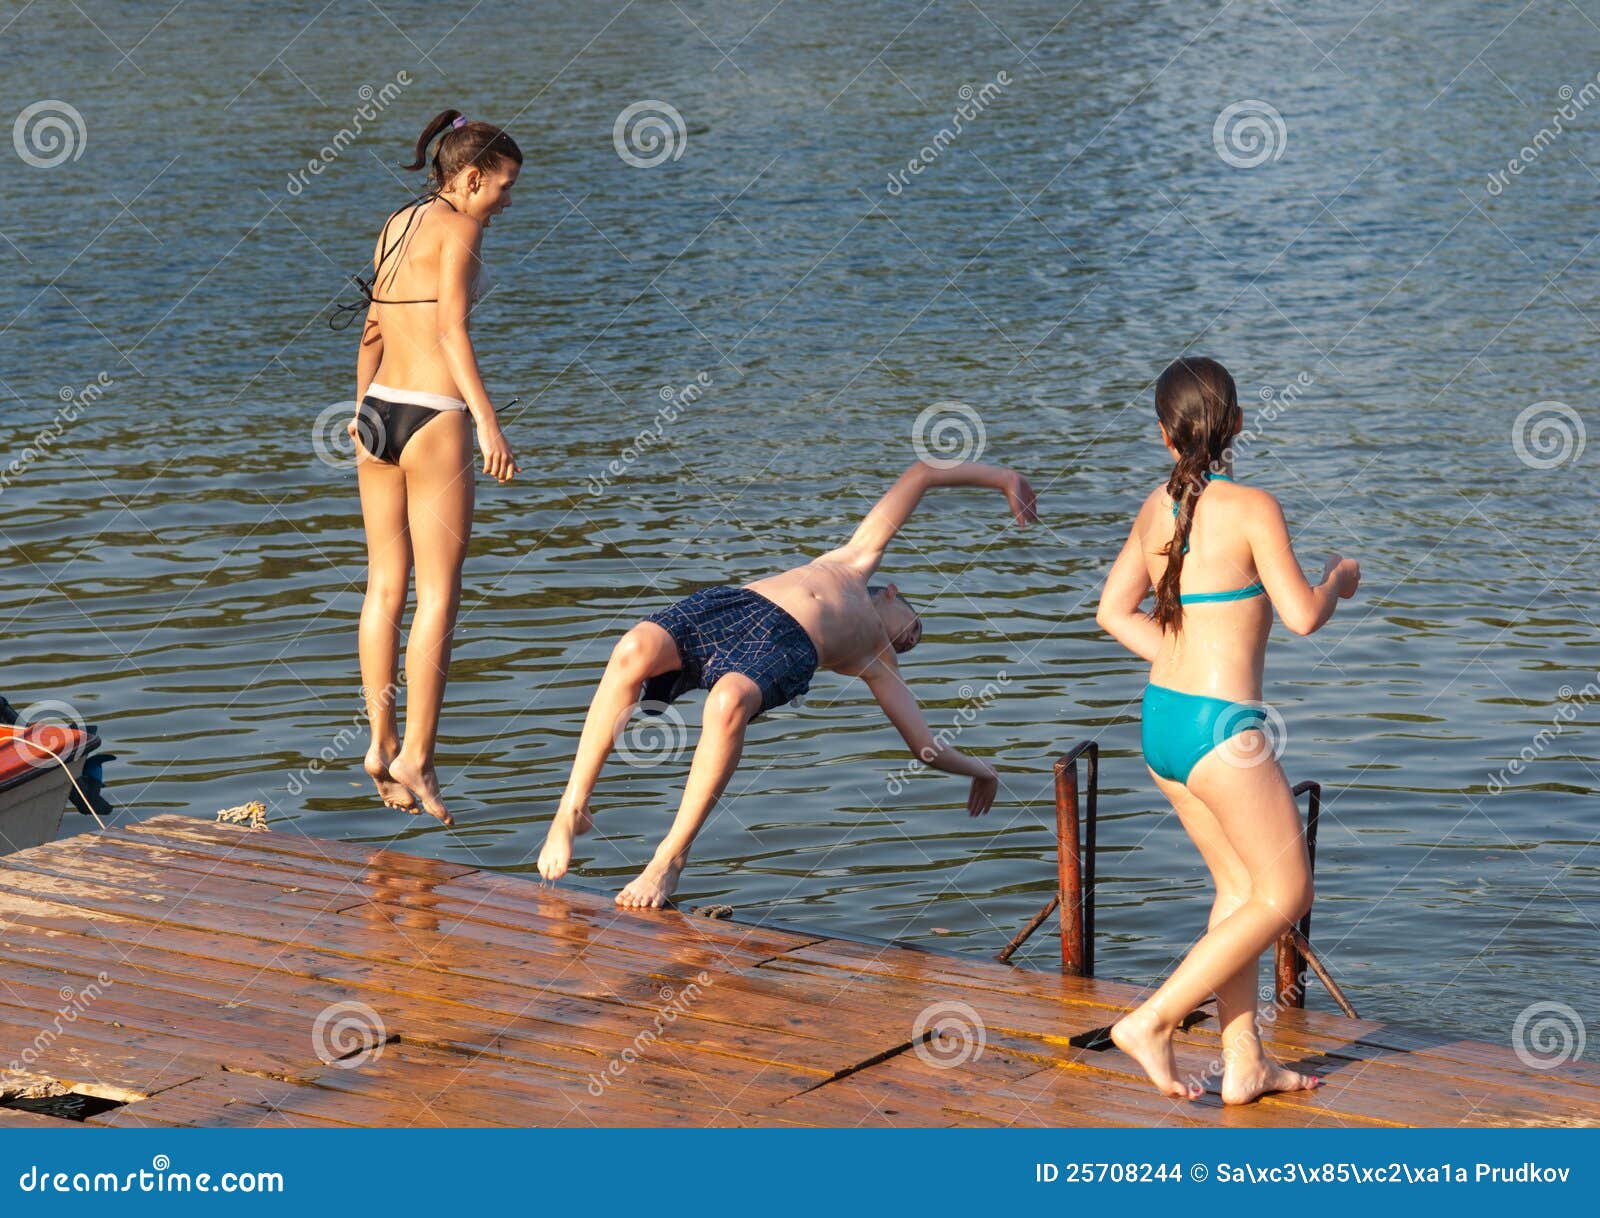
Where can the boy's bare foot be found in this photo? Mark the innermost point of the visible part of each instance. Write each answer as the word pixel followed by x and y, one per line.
pixel 422 781
pixel 653 887
pixel 1138 1035
pixel 1242 1084
pixel 393 794
pixel 556 853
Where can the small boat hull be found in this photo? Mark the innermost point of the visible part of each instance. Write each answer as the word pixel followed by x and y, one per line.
pixel 35 787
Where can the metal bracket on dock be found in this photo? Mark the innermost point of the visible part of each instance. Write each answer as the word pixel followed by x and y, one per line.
pixel 1075 887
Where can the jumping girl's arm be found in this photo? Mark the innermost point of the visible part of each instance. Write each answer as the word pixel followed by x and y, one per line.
pixel 458 262
pixel 864 550
pixel 1126 586
pixel 1302 608
pixel 900 705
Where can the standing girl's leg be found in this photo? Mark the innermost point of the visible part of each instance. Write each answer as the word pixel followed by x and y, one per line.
pixel 1261 824
pixel 438 466
pixel 1247 1069
pixel 383 512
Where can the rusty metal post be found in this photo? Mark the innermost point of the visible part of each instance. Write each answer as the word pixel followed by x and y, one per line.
pixel 1289 963
pixel 1075 845
pixel 1069 868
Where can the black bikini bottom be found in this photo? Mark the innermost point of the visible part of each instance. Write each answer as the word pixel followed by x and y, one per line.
pixel 385 428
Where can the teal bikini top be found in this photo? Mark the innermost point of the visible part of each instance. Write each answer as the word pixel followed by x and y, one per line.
pixel 1230 594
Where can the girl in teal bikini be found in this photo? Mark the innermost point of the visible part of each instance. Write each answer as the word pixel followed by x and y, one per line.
pixel 1217 554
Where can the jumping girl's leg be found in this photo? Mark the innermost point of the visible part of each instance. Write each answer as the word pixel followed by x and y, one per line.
pixel 733 700
pixel 383 512
pixel 645 651
pixel 438 465
pixel 1258 818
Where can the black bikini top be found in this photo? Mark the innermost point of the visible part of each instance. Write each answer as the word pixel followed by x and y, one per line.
pixel 344 314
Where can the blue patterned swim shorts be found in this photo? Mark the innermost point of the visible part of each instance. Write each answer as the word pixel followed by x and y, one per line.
pixel 727 629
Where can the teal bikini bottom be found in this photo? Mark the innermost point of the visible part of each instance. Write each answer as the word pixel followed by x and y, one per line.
pixel 1179 729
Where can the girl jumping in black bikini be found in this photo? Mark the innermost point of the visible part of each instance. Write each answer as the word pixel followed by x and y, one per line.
pixel 421 399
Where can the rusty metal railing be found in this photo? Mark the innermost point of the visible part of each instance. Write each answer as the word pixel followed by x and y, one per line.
pixel 1076 824
pixel 1075 853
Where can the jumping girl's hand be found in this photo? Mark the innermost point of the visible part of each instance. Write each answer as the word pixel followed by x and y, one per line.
pixel 1024 503
pixel 1343 573
pixel 984 787
pixel 498 461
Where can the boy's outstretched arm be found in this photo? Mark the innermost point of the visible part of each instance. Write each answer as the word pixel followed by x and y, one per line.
pixel 900 705
pixel 864 550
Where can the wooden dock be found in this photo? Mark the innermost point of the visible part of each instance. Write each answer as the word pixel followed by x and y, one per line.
pixel 200 974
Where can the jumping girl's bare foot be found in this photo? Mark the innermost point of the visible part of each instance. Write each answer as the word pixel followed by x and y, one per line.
pixel 653 887
pixel 1242 1084
pixel 556 853
pixel 393 794
pixel 1138 1035
pixel 421 780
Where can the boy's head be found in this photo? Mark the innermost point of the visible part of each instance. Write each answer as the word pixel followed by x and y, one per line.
pixel 900 621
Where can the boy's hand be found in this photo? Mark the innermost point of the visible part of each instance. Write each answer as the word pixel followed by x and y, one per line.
pixel 1024 503
pixel 984 787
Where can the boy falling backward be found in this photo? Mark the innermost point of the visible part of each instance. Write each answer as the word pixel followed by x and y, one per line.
pixel 756 647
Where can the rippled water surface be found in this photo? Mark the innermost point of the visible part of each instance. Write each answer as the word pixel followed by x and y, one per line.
pixel 180 565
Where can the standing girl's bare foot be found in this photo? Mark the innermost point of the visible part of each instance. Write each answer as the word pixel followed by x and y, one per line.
pixel 421 780
pixel 556 853
pixel 393 794
pixel 1141 1038
pixel 1244 1083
